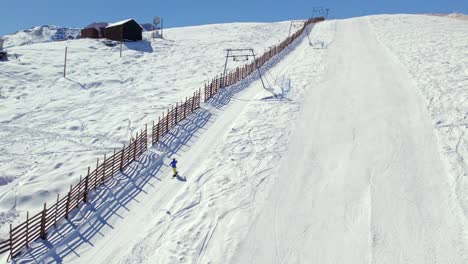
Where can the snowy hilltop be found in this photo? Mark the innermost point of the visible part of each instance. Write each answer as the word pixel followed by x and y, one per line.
pixel 363 159
pixel 40 34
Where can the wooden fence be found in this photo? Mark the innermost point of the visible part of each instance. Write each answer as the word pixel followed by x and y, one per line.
pixel 37 226
pixel 174 116
pixel 240 73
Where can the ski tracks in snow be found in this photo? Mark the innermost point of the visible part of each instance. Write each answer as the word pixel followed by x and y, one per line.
pixel 208 216
pixel 433 50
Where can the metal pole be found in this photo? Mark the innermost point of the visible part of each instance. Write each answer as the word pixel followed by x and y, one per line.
pixel 290 26
pixel 260 74
pixel 65 63
pixel 308 37
pixel 162 27
pixel 225 64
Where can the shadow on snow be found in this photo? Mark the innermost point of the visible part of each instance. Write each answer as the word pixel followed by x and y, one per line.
pixel 89 220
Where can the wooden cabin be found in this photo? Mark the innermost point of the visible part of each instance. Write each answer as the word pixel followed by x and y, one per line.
pixel 125 30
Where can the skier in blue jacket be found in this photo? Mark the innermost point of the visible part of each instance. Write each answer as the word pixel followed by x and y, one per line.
pixel 174 167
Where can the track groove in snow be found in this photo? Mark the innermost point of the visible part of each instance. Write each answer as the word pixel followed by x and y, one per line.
pixel 48 120
pixel 379 191
pixel 347 170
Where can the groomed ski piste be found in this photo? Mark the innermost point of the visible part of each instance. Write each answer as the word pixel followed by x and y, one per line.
pixel 362 161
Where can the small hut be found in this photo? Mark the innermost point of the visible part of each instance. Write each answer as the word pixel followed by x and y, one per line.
pixel 89 33
pixel 94 30
pixel 124 30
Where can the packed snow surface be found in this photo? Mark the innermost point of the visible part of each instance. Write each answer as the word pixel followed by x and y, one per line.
pixel 53 128
pixel 348 167
pixel 434 50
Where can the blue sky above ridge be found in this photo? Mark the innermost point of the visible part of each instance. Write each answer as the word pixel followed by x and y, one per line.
pixel 22 14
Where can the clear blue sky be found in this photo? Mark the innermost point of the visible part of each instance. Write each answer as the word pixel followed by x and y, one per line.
pixel 21 14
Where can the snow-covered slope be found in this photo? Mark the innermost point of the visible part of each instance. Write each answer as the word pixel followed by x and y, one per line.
pixel 40 34
pixel 52 127
pixel 347 169
pixel 225 162
pixel 363 180
pixel 453 15
pixel 434 50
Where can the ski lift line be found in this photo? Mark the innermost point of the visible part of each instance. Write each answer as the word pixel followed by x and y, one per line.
pixel 308 37
pixel 294 23
pixel 246 49
pixel 235 56
pixel 320 11
pixel 244 55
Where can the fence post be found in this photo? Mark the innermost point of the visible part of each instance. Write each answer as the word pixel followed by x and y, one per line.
pixel 146 137
pixel 135 146
pixel 11 240
pixel 27 229
pixel 206 92
pixel 97 176
pixel 171 125
pixel 122 158
pixel 152 134
pixel 56 209
pixel 199 98
pixel 85 196
pixel 67 206
pixel 214 86
pixel 113 164
pixel 211 89
pixel 182 107
pixel 176 117
pixel 185 107
pixel 79 192
pixel 167 121
pixel 103 169
pixel 157 129
pixel 192 101
pixel 139 149
pixel 43 222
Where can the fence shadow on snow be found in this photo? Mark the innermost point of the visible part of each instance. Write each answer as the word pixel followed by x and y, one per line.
pixel 84 213
pixel 114 195
pixel 224 96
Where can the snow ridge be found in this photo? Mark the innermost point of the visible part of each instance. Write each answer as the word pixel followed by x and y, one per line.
pixel 281 46
pixel 40 34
